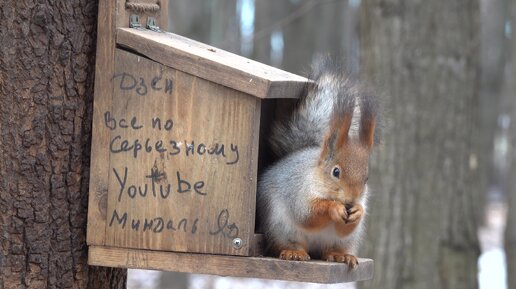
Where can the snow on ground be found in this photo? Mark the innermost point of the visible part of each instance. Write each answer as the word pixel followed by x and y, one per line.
pixel 214 282
pixel 143 279
pixel 148 279
pixel 492 267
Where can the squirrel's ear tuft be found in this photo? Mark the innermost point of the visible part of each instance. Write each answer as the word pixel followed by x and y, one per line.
pixel 342 119
pixel 340 123
pixel 328 152
pixel 368 119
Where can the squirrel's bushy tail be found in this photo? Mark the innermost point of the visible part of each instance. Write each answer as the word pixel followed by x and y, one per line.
pixel 333 93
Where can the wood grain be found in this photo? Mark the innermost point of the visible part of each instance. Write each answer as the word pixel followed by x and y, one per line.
pixel 105 62
pixel 202 112
pixel 213 64
pixel 108 19
pixel 253 267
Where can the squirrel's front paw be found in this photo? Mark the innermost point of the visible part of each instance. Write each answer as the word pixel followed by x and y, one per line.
pixel 354 214
pixel 341 258
pixel 338 212
pixel 297 255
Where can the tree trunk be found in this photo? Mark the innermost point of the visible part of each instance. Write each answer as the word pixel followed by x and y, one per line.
pixel 190 18
pixel 422 226
pixel 306 27
pixel 495 51
pixel 267 15
pixel 493 57
pixel 225 30
pixel 46 91
pixel 322 30
pixel 510 231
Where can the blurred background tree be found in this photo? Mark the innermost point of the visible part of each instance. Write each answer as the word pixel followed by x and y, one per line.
pixel 424 57
pixel 510 92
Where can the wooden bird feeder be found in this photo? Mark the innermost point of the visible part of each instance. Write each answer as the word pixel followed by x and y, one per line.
pixel 175 153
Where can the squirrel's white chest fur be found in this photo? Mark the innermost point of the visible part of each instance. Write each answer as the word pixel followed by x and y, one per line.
pixel 285 203
pixel 284 222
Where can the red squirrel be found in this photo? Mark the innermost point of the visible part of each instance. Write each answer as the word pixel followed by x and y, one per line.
pixel 312 202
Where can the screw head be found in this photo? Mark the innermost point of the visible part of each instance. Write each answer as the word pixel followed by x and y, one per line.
pixel 237 243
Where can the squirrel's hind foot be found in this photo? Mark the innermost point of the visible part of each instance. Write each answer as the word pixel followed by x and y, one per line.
pixel 296 255
pixel 341 258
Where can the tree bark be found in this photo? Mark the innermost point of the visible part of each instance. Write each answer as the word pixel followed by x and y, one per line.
pixel 422 226
pixel 46 91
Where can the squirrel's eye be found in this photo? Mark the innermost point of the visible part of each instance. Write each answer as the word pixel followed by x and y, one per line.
pixel 366 179
pixel 336 172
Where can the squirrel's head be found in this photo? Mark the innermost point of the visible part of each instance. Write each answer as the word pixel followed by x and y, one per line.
pixel 344 159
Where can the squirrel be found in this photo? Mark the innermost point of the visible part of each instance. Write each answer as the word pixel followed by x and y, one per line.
pixel 312 202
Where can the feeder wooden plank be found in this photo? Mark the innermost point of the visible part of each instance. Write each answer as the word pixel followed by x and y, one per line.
pixel 183 153
pixel 213 64
pixel 252 267
pixel 105 65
